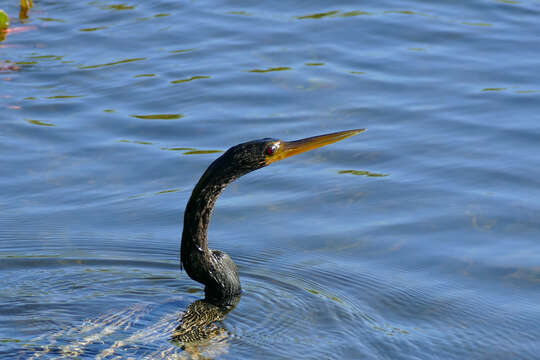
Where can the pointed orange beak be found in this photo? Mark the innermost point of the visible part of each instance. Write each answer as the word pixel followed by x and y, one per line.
pixel 291 148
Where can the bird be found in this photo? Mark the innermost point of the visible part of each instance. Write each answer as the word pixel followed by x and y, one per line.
pixel 214 268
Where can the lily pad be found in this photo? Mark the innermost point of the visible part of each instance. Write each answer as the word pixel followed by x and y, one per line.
pixel 4 20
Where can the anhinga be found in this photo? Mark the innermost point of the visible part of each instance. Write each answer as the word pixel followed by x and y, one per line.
pixel 214 268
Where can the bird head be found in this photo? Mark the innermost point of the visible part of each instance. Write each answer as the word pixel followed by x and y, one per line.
pixel 256 154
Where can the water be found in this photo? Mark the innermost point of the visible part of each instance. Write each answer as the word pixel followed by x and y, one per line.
pixel 416 239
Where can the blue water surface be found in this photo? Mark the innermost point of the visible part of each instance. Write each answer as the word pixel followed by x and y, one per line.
pixel 418 239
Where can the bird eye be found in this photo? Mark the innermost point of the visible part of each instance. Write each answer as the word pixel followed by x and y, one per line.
pixel 270 149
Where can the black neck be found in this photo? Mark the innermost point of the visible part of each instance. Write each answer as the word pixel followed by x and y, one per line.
pixel 213 269
pixel 201 204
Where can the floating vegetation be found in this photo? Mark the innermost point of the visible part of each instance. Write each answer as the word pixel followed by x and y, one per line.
pixel 46 57
pixel 144 75
pixel 167 191
pixel 37 122
pixel 328 296
pixel 64 97
pixel 94 29
pixel 354 13
pixel 140 142
pixel 190 79
pixel 118 7
pixel 51 19
pixel 333 14
pixel 111 63
pixel 318 15
pixel 159 116
pixel 403 12
pixel 493 89
pixel 283 68
pixel 180 51
pixel 186 150
pixel 199 152
pixel 7 340
pixel 243 13
pixel 153 17
pixel 192 151
pixel 177 149
pixel 362 173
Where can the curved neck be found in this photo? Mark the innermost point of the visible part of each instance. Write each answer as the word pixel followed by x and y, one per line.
pixel 200 206
pixel 213 268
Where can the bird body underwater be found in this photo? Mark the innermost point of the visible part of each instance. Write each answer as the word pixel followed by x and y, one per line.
pixel 213 268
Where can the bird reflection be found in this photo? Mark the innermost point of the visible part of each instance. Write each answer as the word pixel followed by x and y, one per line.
pixel 200 326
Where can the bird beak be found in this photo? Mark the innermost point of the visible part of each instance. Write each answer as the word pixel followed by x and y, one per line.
pixel 291 148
